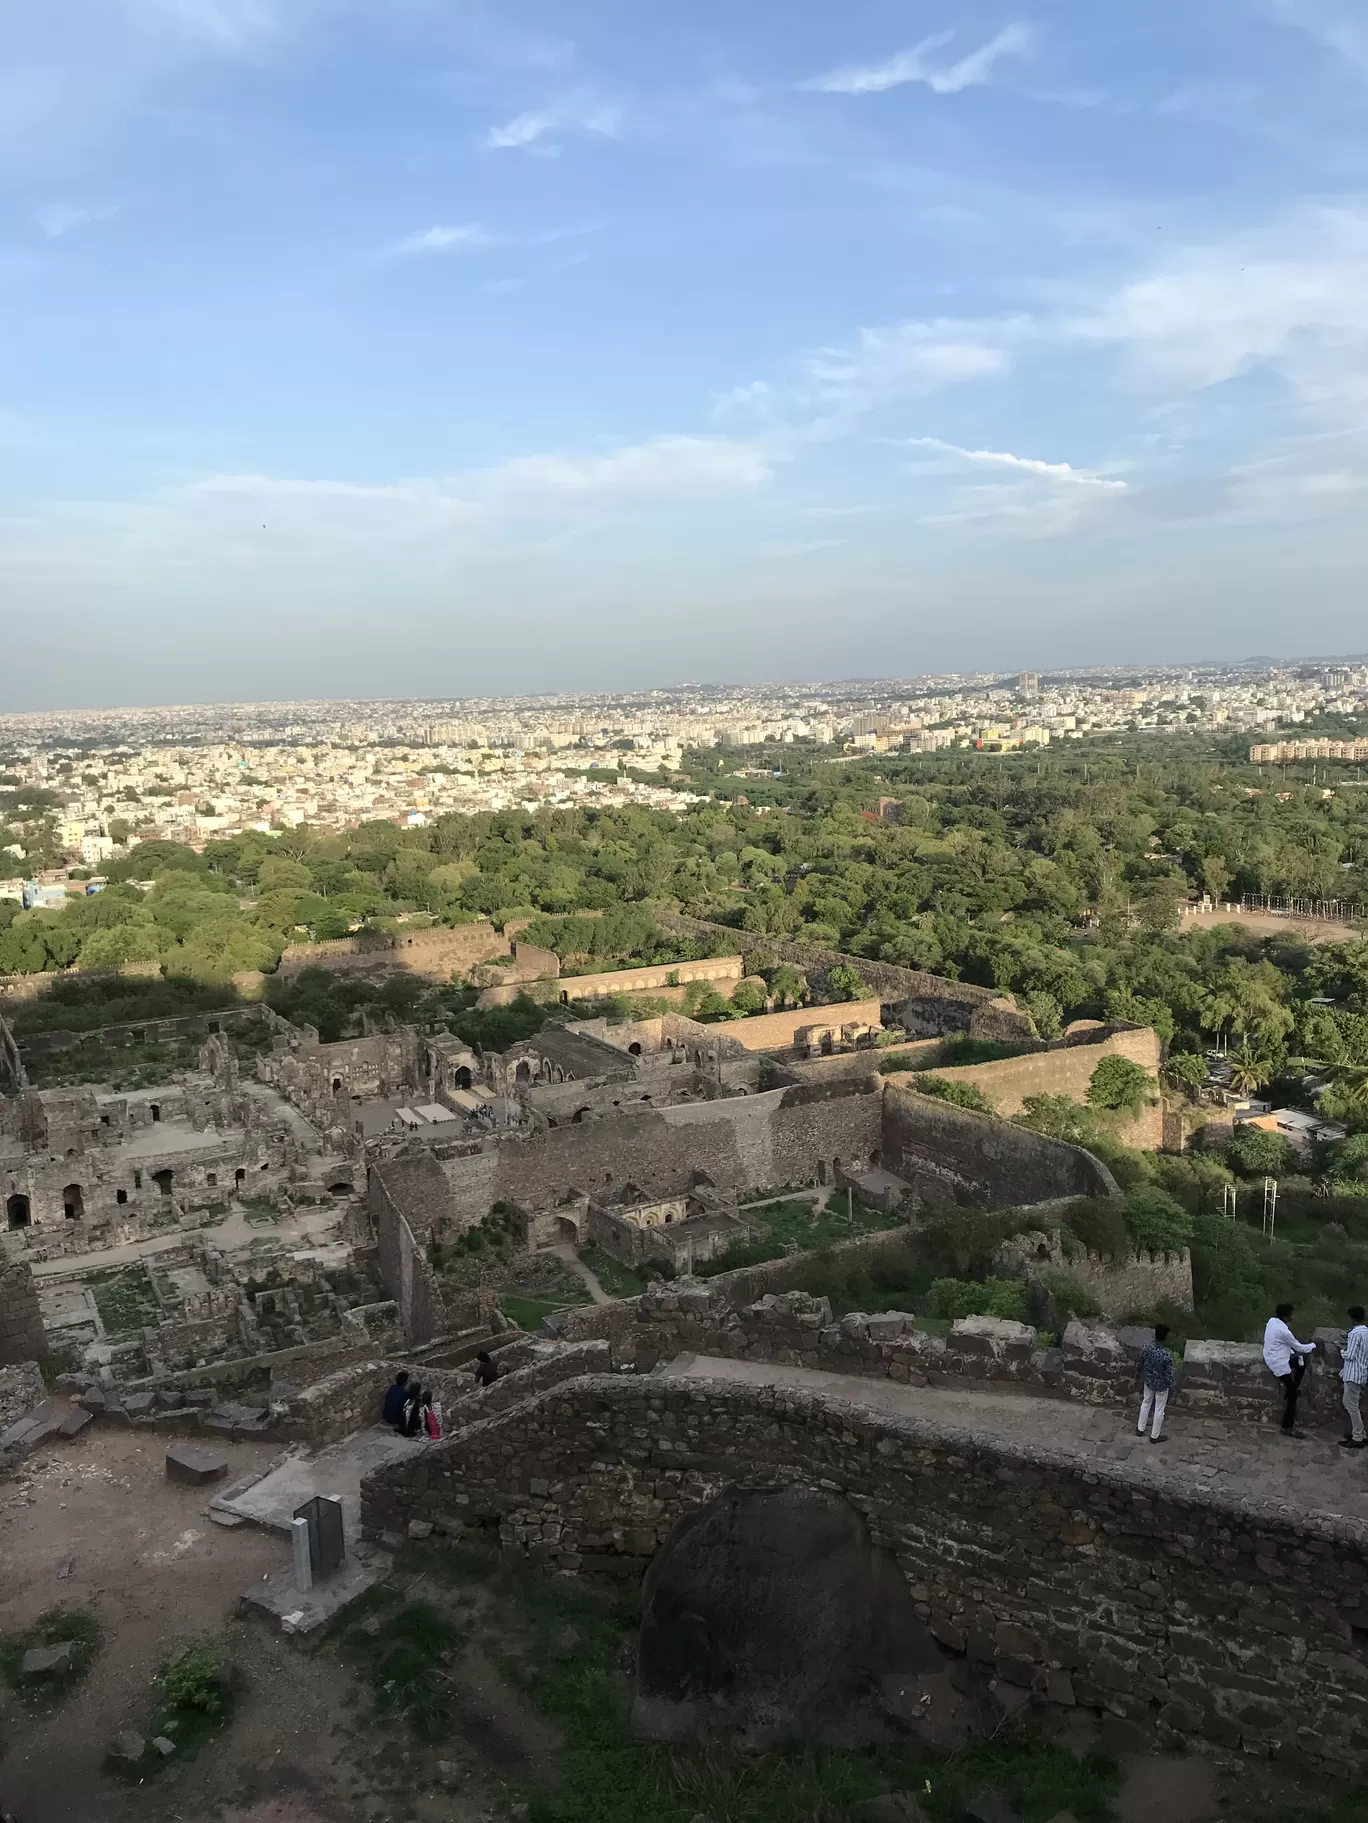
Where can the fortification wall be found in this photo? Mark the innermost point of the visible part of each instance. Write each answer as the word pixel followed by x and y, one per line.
pixel 742 1143
pixel 777 1031
pixel 928 1005
pixel 34 986
pixel 1197 1616
pixel 22 1336
pixel 949 1155
pixel 406 1203
pixel 1118 1286
pixel 437 954
pixel 1068 1071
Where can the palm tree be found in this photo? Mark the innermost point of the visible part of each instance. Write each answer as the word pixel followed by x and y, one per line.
pixel 1249 1070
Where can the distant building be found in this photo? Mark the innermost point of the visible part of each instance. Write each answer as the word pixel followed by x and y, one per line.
pixel 1272 753
pixel 1028 684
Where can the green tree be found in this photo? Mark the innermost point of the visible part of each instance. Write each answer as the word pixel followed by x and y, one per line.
pixel 1120 1085
pixel 847 983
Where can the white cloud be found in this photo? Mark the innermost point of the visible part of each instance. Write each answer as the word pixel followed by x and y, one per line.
pixel 1290 297
pixel 444 238
pixel 901 360
pixel 1048 471
pixel 533 131
pixel 60 219
pixel 230 25
pixel 915 66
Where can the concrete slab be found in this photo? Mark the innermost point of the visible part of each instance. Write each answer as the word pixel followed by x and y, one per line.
pixel 193 1465
pixel 338 1470
pixel 302 1616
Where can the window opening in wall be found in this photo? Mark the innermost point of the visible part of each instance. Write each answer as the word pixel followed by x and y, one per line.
pixel 121 1196
pixel 239 1176
pixel 337 1085
pixel 156 1110
pixel 137 1180
pixel 266 1166
pixel 162 1179
pixel 73 1203
pixel 463 1077
pixel 214 1025
pixel 17 1212
pixel 104 1120
pixel 211 1178
pixel 635 1048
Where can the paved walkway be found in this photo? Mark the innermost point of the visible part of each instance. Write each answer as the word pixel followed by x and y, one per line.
pixel 273 1501
pixel 1238 1463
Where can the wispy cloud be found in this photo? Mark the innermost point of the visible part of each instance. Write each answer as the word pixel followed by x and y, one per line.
pixel 231 25
pixel 1000 458
pixel 916 66
pixel 447 238
pixel 1335 26
pixel 536 130
pixel 60 219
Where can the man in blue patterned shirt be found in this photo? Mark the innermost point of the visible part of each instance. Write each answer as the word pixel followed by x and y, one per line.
pixel 1158 1373
pixel 1354 1373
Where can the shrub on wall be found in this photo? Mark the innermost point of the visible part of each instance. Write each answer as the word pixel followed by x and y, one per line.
pixel 955 1298
pixel 1156 1221
pixel 1120 1086
pixel 960 1094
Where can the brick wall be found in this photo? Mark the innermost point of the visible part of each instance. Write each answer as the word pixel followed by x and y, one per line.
pixel 22 1337
pixel 1198 1618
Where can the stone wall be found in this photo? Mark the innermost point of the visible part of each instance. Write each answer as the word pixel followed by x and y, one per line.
pixel 401 1203
pixel 778 1031
pixel 952 1156
pixel 142 1031
pixel 438 954
pixel 1120 1286
pixel 21 1391
pixel 1196 1617
pixel 741 1143
pixel 22 1337
pixel 1067 1070
pixel 928 1005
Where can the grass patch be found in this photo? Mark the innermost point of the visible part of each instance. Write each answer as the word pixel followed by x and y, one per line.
pixel 196 1690
pixel 528 1312
pixel 617 1280
pixel 808 1227
pixel 125 1300
pixel 398 1649
pixel 57 1627
pixel 565 1648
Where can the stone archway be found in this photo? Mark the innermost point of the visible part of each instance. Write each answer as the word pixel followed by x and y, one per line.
pixel 18 1211
pixel 73 1203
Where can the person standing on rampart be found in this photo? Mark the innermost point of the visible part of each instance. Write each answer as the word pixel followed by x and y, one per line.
pixel 1157 1373
pixel 1354 1374
pixel 1285 1359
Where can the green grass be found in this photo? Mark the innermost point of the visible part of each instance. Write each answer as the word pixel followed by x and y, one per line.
pixel 844 1217
pixel 125 1300
pixel 528 1312
pixel 51 1629
pixel 617 1280
pixel 566 1648
pixel 196 1692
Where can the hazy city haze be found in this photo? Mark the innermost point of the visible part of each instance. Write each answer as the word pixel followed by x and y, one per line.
pixel 414 348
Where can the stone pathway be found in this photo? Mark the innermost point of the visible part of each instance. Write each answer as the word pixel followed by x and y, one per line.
pixel 1201 1456
pixel 339 1469
pixel 564 1251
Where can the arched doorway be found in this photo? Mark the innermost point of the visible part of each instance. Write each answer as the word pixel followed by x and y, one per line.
pixel 156 1110
pixel 567 1230
pixel 463 1078
pixel 523 1073
pixel 337 1085
pixel 73 1203
pixel 17 1211
pixel 635 1047
pixel 162 1179
pixel 339 1189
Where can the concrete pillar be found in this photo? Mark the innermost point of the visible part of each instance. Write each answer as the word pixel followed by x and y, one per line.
pixel 303 1568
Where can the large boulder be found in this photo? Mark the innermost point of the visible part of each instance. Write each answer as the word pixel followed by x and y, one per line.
pixel 771 1616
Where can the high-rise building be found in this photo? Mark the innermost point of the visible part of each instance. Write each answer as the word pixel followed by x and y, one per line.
pixel 1028 684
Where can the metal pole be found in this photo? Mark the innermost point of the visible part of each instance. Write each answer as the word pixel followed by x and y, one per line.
pixel 303 1566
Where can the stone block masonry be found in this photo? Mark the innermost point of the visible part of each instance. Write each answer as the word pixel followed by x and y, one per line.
pixel 22 1337
pixel 1200 1618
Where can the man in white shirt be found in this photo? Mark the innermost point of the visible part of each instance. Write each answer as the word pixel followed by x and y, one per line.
pixel 1284 1357
pixel 1354 1373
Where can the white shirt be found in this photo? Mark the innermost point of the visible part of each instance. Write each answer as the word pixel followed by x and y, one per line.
pixel 1279 1344
pixel 1354 1369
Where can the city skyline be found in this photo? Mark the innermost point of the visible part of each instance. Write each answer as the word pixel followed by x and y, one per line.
pixel 530 350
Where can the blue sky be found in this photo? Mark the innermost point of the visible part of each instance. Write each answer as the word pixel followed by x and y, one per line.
pixel 424 347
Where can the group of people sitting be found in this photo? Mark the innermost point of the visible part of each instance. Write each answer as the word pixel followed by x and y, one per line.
pixel 411 1409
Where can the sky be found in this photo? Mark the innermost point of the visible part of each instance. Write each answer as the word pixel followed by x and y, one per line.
pixel 444 347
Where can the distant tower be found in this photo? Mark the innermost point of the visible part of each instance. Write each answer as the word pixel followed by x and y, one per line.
pixel 1028 685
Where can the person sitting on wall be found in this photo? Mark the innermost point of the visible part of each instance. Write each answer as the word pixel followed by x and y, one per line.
pixel 415 1413
pixel 1354 1373
pixel 1158 1373
pixel 396 1398
pixel 1285 1359
pixel 487 1369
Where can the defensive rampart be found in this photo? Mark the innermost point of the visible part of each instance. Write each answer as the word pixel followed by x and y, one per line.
pixel 949 1155
pixel 1198 1618
pixel 438 954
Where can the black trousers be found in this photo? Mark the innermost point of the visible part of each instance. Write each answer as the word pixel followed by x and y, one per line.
pixel 1291 1386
